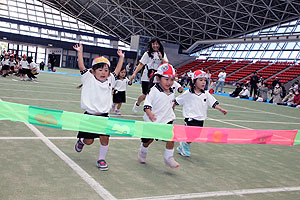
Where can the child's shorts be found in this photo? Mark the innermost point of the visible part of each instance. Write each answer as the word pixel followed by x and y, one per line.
pixel 5 67
pixel 193 122
pixel 119 97
pixel 88 135
pixel 145 140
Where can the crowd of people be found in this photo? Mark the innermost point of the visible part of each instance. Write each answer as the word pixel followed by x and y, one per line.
pixel 23 67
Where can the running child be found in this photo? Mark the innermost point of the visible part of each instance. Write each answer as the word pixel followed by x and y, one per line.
pixel 119 95
pixel 158 108
pixel 195 102
pixel 96 98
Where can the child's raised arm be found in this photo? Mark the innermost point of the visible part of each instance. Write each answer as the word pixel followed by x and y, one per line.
pixel 121 55
pixel 79 49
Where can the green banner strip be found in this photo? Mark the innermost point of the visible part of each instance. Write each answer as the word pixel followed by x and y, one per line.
pixel 297 138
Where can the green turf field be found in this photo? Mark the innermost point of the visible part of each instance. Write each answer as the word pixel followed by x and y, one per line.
pixel 35 164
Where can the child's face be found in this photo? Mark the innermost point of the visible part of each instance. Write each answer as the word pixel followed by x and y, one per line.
pixel 101 73
pixel 155 46
pixel 122 73
pixel 200 83
pixel 166 82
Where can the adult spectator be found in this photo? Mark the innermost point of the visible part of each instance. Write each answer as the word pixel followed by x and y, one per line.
pixel 276 94
pixel 208 77
pixel 42 65
pixel 274 83
pixel 263 92
pixel 221 80
pixel 52 60
pixel 237 90
pixel 289 98
pixel 296 101
pixel 254 84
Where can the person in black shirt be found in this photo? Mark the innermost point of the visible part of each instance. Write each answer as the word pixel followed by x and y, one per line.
pixel 253 84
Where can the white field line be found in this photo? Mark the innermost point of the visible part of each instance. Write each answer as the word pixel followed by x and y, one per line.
pixel 38 99
pixel 29 85
pixel 36 91
pixel 63 138
pixel 262 111
pixel 220 193
pixel 101 191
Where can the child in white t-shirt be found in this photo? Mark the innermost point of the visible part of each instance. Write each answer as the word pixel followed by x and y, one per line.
pixel 96 98
pixel 195 102
pixel 158 108
pixel 119 95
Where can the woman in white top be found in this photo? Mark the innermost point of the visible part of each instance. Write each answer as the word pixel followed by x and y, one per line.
pixel 151 59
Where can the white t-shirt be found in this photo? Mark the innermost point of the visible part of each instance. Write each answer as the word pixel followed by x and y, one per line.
pixel 13 63
pixel 24 64
pixel 5 62
pixel 160 104
pixel 222 76
pixel 152 63
pixel 96 96
pixel 195 105
pixel 245 93
pixel 121 85
pixel 34 65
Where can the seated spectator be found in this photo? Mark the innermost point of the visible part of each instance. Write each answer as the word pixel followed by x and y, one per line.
pixel 288 99
pixel 276 94
pixel 296 102
pixel 244 94
pixel 237 90
pixel 263 92
pixel 295 85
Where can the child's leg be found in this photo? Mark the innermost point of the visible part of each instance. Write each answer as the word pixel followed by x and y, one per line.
pixel 169 152
pixel 101 163
pixel 104 140
pixel 119 106
pixel 142 153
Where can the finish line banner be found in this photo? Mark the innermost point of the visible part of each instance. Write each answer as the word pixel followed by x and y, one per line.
pixel 129 128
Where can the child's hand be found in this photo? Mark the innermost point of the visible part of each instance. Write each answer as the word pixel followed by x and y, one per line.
pixel 223 111
pixel 121 53
pixel 78 47
pixel 152 116
pixel 159 55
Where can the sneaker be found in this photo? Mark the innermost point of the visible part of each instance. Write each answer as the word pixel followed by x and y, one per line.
pixel 113 108
pixel 179 149
pixel 135 108
pixel 34 79
pixel 29 79
pixel 142 157
pixel 117 112
pixel 170 162
pixel 186 148
pixel 78 146
pixel 101 164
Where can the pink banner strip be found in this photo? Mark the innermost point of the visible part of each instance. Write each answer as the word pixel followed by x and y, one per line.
pixel 233 136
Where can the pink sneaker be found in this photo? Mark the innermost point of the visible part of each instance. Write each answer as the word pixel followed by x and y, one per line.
pixel 171 162
pixel 112 108
pixel 142 157
pixel 117 112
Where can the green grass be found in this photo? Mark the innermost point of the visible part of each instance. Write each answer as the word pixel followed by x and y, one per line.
pixel 30 170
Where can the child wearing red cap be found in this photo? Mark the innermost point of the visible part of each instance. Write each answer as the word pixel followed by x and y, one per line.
pixel 195 102
pixel 96 98
pixel 158 108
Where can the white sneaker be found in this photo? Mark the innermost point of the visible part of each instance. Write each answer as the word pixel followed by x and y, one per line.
pixel 142 156
pixel 170 162
pixel 135 108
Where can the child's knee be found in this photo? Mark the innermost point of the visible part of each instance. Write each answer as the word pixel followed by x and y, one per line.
pixel 88 141
pixel 104 140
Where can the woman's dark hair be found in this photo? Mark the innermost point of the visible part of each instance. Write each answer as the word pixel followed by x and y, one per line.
pixel 150 49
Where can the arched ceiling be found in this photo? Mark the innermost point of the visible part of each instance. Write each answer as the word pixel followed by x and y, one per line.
pixel 179 21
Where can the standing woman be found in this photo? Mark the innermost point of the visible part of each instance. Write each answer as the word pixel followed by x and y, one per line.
pixel 151 59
